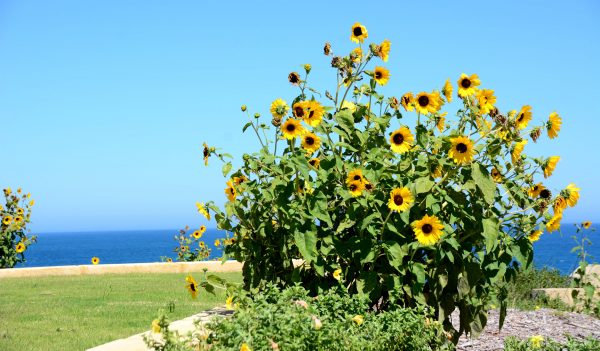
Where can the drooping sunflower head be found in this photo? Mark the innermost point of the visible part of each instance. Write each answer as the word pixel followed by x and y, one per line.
pixel 496 176
pixel 314 115
pixel 401 140
pixel 381 75
pixel 461 150
pixel 279 108
pixel 383 50
pixel 553 223
pixel 447 90
pixel 523 117
pixel 292 128
pixel 230 191
pixel 315 162
pixel 467 85
pixel 440 122
pixel 535 190
pixel 359 33
pixel 428 230
pixel 192 286
pixel 545 194
pixel 534 236
pixel 553 125
pixel 559 205
pixel 311 142
pixel 426 103
pixel 20 247
pixel 571 194
pixel 356 55
pixel 294 78
pixel 95 260
pixel 586 224
pixel 356 188
pixel 486 100
pixel 202 209
pixel 408 102
pixel 400 199
pixel 550 165
pixel 518 150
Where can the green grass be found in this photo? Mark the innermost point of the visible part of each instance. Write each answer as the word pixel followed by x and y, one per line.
pixel 519 292
pixel 79 312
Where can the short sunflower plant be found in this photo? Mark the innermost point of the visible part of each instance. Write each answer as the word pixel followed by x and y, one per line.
pixel 15 214
pixel 425 198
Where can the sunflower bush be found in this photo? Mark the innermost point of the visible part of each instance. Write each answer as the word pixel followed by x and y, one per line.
pixel 392 198
pixel 14 214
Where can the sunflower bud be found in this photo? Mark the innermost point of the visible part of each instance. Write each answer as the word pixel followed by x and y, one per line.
pixel 294 78
pixel 328 95
pixel 394 103
pixel 243 108
pixel 257 115
pixel 500 119
pixel 374 49
pixel 535 134
pixel 276 121
pixel 307 68
pixel 327 49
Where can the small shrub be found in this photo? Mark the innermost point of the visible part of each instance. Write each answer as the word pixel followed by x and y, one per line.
pixel 14 216
pixel 538 343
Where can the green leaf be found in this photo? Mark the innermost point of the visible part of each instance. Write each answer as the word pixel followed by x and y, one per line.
pixel 490 233
pixel 346 223
pixel 484 182
pixel 213 279
pixel 395 253
pixel 423 185
pixel 307 244
pixel 246 126
pixel 226 168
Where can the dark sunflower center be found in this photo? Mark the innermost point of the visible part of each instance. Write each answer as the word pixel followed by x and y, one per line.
pixel 536 188
pixel 465 83
pixel 231 191
pixel 405 100
pixel 462 148
pixel 378 74
pixel 398 200
pixel 192 287
pixel 299 112
pixel 357 177
pixel 290 127
pixel 353 187
pixel 521 116
pixel 423 100
pixel 309 140
pixel 357 31
pixel 545 194
pixel 427 228
pixel 312 162
pixel 293 78
pixel 398 138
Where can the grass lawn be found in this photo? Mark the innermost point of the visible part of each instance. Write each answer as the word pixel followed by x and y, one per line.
pixel 79 312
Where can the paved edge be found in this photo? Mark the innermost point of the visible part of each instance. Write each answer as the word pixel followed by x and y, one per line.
pixel 157 267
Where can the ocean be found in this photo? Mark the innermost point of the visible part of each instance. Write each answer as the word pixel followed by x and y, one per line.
pixel 76 248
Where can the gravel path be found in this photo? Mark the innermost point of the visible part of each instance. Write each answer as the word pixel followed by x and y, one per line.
pixel 548 323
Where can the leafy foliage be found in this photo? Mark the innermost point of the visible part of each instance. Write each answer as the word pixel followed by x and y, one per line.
pixel 14 217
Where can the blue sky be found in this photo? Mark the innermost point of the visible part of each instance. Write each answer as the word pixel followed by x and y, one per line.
pixel 104 105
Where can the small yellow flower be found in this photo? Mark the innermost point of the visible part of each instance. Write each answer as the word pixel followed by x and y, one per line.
pixel 307 67
pixel 467 85
pixel 356 55
pixel 315 162
pixel 356 188
pixel 229 303
pixel 7 191
pixel 517 150
pixel 550 165
pixel 428 230
pixel 230 191
pixel 156 326
pixel 384 50
pixel 279 108
pixel 554 223
pixel 358 33
pixel 440 122
pixel 243 108
pixel 95 260
pixel 381 75
pixel 447 90
pixel 486 100
pixel 427 103
pixel 535 190
pixel 586 224
pixel 358 319
pixel 20 211
pixel 408 102
pixel 400 199
pixel 203 210
pixel 337 274
pixel 311 142
pixel 534 236
pixel 401 140
pixel 245 347
pixel 536 341
pixel 7 220
pixel 523 117
pixel 572 195
pixel 217 243
pixel 192 286
pixel 553 125
pixel 292 128
pixel 348 105
pixel 496 175
pixel 20 247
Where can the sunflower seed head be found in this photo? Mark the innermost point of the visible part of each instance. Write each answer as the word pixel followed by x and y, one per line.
pixel 294 78
pixel 535 134
pixel 394 103
pixel 327 49
pixel 276 121
pixel 500 119
pixel 336 62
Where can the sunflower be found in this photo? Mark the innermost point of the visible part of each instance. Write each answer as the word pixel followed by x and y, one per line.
pixel 496 176
pixel 486 100
pixel 156 326
pixel 20 247
pixel 20 211
pixel 245 347
pixel 348 105
pixel 358 319
pixel 337 274
pixel 197 234
pixel 294 78
pixel 315 162
pixel 279 108
pixel 355 175
pixel 400 199
pixel 440 122
pixel 535 190
pixel 202 229
pixel 192 286
pixel 356 188
pixel 517 150
pixel 428 230
pixel 467 85
pixel 239 180
pixel 447 90
pixel 550 165
pixel 545 194
pixel 229 303
pixel 383 51
pixel 461 150
pixel 523 117
pixel 217 243
pixel 534 236
pixel 401 140
pixel 359 33
pixel 18 220
pixel 230 191
pixel 203 210
pixel 311 142
pixel 408 102
pixel 559 205
pixel 437 172
pixel 292 128
pixel 299 109
pixel 381 75
pixel 572 195
pixel 586 224
pixel 426 103
pixel 95 260
pixel 315 113
pixel 553 125
pixel 202 245
pixel 7 219
pixel 356 55
pixel 554 223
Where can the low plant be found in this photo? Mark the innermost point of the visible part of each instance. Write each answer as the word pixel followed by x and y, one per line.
pixel 540 343
pixel 519 290
pixel 15 214
pixel 588 301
